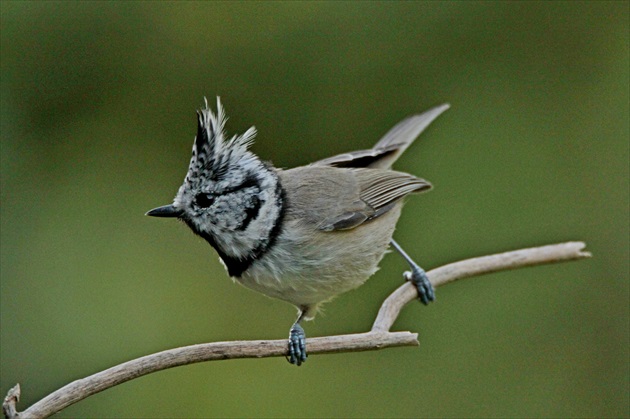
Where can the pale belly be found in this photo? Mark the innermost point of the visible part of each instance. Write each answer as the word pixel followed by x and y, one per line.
pixel 307 269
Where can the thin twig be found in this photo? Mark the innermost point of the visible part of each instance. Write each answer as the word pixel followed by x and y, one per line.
pixel 532 256
pixel 379 337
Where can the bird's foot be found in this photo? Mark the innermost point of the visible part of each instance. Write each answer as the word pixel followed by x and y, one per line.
pixel 297 345
pixel 419 278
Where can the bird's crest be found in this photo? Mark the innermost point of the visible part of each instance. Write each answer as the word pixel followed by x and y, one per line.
pixel 212 153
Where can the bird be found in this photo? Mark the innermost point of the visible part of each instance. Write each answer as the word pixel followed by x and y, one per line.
pixel 302 235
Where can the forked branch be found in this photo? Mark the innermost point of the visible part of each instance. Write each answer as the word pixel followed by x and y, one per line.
pixel 379 337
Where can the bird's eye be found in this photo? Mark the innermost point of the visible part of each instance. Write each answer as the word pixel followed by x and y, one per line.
pixel 204 200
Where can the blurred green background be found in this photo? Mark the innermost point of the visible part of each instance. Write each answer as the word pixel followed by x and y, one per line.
pixel 98 117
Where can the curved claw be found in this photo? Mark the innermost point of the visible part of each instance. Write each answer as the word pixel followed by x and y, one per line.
pixel 419 278
pixel 297 345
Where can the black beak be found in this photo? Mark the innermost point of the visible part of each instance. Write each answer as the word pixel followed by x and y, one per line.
pixel 167 211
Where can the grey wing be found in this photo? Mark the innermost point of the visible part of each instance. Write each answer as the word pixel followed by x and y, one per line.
pixel 327 198
pixel 379 190
pixel 387 150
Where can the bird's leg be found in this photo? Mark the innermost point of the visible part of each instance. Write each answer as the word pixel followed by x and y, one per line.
pixel 297 341
pixel 417 276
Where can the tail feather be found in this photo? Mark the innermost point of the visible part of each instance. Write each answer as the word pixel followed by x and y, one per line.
pixel 387 150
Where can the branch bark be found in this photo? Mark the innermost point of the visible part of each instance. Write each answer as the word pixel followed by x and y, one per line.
pixel 378 338
pixel 474 267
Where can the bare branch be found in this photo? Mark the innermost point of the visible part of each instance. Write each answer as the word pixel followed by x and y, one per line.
pixel 8 406
pixel 552 253
pixel 379 337
pixel 85 387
